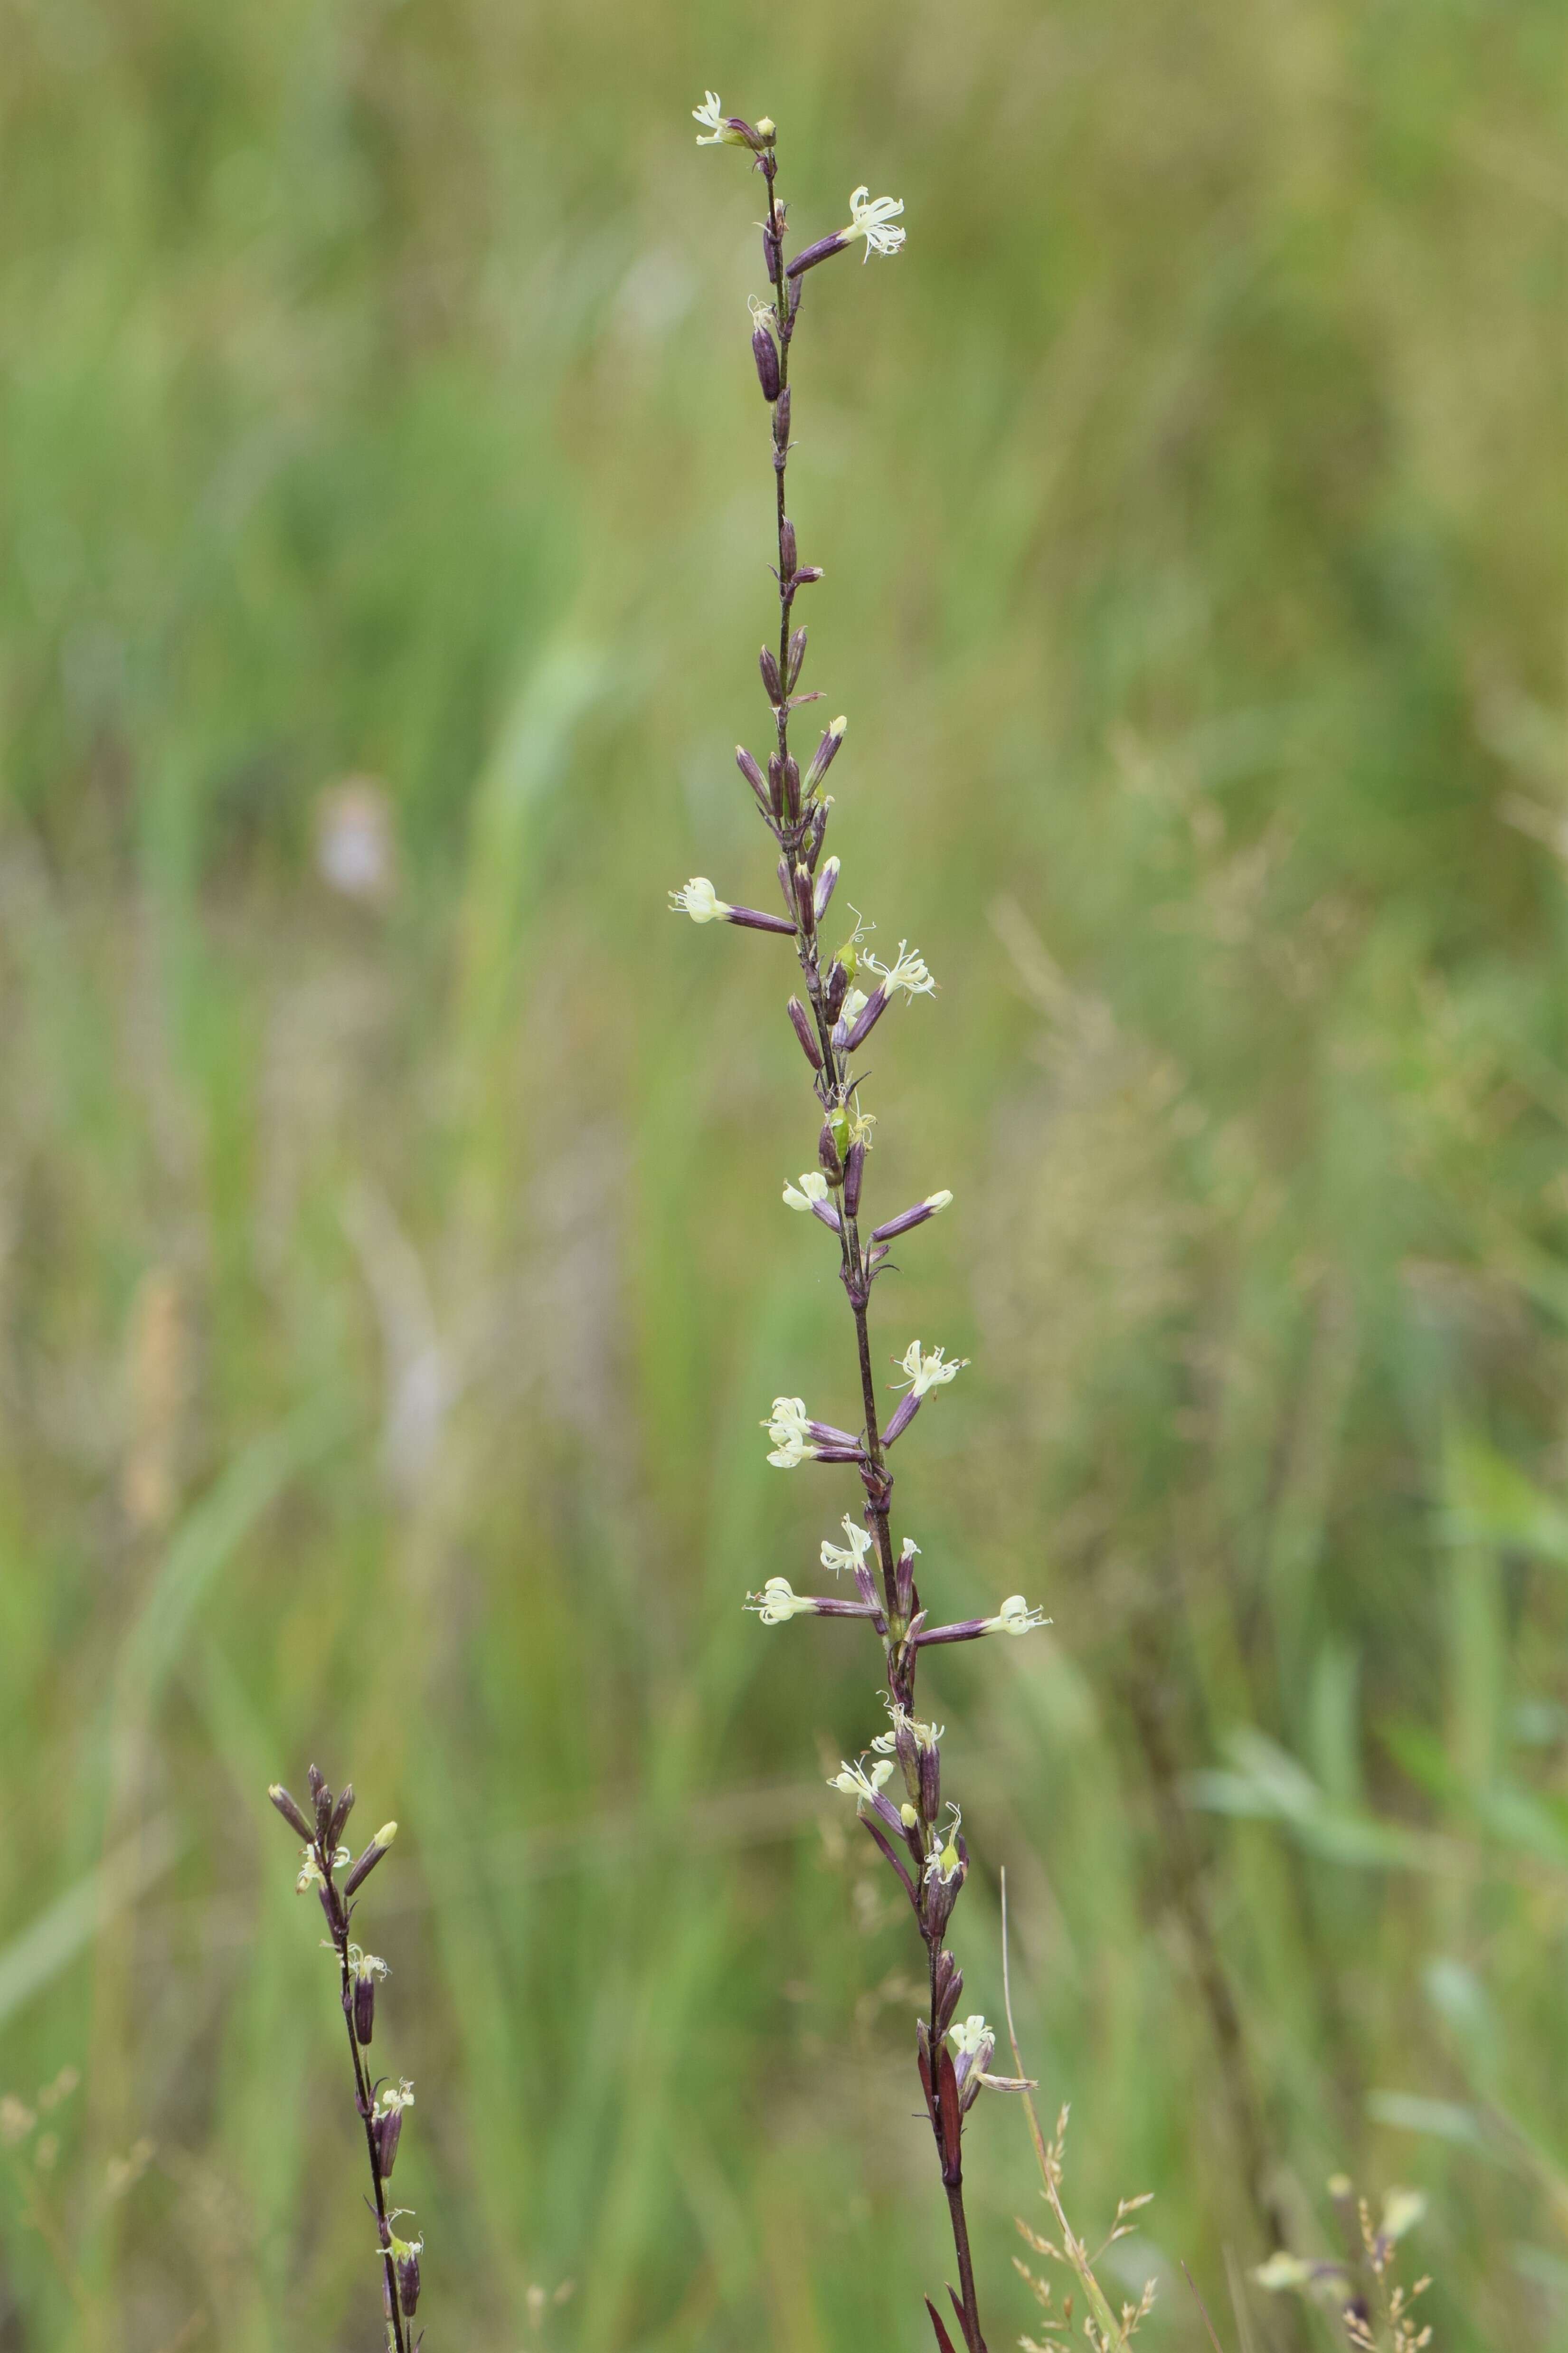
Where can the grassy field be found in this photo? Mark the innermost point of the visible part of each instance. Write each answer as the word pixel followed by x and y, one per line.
pixel 390 1288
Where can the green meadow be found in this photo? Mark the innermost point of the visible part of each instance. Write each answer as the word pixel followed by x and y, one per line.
pixel 393 1273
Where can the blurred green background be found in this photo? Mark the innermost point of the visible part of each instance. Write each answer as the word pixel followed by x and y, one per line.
pixel 392 1270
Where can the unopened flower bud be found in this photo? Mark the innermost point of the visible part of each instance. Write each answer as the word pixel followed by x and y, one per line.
pixel 770 253
pixel 822 250
pixel 781 420
pixel 754 775
pixel 324 1798
pixel 293 1813
pixel 930 1781
pixel 364 2009
pixel 767 662
pixel 341 1813
pixel 824 886
pixel 788 552
pixel 826 752
pixel 804 895
pixel 796 656
pixel 807 574
pixel 805 1032
pixel 837 977
pixel 875 1007
pixel 765 353
pixel 827 1156
pixel 775 787
pixel 792 789
pixel 854 1170
pixel 370 1857
pixel 405 2258
pixel 815 836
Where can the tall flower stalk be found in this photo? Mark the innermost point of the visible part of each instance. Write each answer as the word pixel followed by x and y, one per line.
pixel 337 1876
pixel 843 993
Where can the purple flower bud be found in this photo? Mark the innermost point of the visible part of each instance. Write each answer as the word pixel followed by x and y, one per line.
pixel 948 1988
pixel 904 1413
pixel 788 552
pixel 904 1594
pixel 751 919
pixel 804 893
pixel 854 1169
pixel 341 1813
pixel 754 775
pixel 329 1902
pixel 767 661
pixel 815 836
pixel 908 1750
pixel 770 253
pixel 408 2281
pixel 389 2133
pixel 810 255
pixel 796 656
pixel 827 1158
pixel 931 1206
pixel 764 350
pixel 775 790
pixel 323 1798
pixel 792 789
pixel 837 974
pixel 807 574
pixel 803 1031
pixel 364 2005
pixel 826 752
pixel 875 1007
pixel 291 1812
pixel 825 881
pixel 930 1782
pixel 781 420
pixel 370 1857
pixel 865 1583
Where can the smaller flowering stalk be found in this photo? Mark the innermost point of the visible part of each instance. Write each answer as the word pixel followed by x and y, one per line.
pixel 840 996
pixel 337 1874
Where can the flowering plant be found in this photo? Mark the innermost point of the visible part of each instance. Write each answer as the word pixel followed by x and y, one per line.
pixel 896 1783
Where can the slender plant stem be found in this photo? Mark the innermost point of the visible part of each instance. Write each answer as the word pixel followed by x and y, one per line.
pixel 836 1089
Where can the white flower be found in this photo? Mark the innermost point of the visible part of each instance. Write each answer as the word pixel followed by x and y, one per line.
pixel 1015 1617
pixel 937 1202
pixel 836 1558
pixel 698 900
pixel 366 1966
pixel 310 1874
pixel 926 1736
pixel 924 1373
pixel 813 1188
pixel 388 2098
pixel 972 2037
pixel 869 220
pixel 855 1003
pixel 943 1861
pixel 856 1783
pixel 907 971
pixel 789 1427
pixel 778 1601
pixel 710 114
